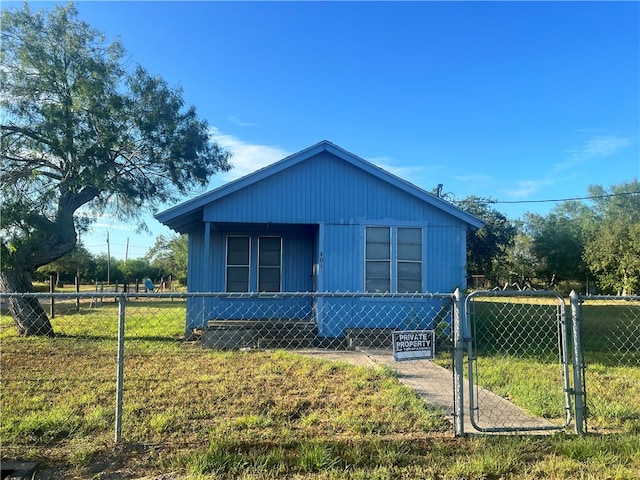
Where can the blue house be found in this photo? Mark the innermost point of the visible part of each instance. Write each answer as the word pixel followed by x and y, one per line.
pixel 320 220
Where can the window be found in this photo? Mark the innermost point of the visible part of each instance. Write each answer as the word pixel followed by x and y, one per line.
pixel 409 259
pixel 378 259
pixel 393 259
pixel 269 264
pixel 238 264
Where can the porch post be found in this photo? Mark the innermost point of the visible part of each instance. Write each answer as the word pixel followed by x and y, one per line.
pixel 320 259
pixel 319 280
pixel 206 259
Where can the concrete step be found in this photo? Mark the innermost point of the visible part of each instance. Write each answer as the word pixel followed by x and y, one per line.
pixel 234 334
pixel 369 337
pixel 262 323
pixel 18 470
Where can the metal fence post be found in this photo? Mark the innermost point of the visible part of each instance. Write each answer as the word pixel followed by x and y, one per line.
pixel 120 368
pixel 458 361
pixel 52 288
pixel 578 365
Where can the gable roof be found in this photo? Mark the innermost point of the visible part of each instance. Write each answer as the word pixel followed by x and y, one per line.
pixel 184 215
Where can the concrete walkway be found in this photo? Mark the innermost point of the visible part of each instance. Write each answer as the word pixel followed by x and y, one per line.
pixel 435 385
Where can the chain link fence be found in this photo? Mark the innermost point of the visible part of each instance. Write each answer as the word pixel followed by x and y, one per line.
pixel 610 350
pixel 163 368
pixel 58 392
pixel 182 369
pixel 556 358
pixel 519 352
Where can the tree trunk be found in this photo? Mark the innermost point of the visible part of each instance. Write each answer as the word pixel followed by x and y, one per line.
pixel 48 241
pixel 29 316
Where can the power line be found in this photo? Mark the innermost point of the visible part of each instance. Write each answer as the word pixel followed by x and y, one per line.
pixel 593 197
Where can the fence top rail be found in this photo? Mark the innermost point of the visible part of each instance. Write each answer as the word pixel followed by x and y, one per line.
pixel 230 295
pixel 516 293
pixel 632 298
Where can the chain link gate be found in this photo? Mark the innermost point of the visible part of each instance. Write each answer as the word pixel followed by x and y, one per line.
pixel 518 351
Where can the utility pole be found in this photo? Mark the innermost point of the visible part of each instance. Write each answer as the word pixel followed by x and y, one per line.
pixel 126 251
pixel 108 260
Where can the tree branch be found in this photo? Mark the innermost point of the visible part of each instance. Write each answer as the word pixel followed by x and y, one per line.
pixel 13 129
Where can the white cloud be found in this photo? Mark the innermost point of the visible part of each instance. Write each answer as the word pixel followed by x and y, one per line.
pixel 599 146
pixel 410 173
pixel 239 122
pixel 526 188
pixel 566 165
pixel 114 226
pixel 605 146
pixel 246 157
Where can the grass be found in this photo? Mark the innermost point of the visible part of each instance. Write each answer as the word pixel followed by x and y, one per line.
pixel 190 413
pixel 534 385
pixel 517 357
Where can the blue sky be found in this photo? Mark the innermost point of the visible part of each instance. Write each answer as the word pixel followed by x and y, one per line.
pixel 518 101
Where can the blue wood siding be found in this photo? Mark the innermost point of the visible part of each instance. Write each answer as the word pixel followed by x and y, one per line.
pixel 334 315
pixel 321 207
pixel 297 269
pixel 343 258
pixel 444 259
pixel 323 189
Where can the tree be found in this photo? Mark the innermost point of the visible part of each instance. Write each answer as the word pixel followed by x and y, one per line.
pixel 520 264
pixel 169 255
pixel 77 262
pixel 612 249
pixel 82 136
pixel 136 269
pixel 107 269
pixel 558 242
pixel 487 245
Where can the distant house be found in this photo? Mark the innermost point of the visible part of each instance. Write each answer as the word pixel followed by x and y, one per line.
pixel 320 220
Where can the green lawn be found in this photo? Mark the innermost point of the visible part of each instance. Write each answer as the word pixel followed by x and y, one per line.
pixel 261 414
pixel 517 350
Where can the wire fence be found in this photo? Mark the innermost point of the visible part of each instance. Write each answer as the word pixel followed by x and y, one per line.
pixel 610 349
pixel 170 368
pixel 519 351
pixel 164 368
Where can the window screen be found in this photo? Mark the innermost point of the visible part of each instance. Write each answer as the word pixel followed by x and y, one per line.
pixel 409 259
pixel 238 264
pixel 269 264
pixel 378 259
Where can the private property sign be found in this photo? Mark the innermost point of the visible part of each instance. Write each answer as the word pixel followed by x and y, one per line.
pixel 413 344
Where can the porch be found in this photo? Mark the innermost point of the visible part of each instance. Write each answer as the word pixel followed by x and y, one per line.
pixel 272 333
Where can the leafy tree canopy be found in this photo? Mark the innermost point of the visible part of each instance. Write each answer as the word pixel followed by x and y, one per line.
pixel 557 241
pixel 80 130
pixel 486 245
pixel 612 247
pixel 169 255
pixel 78 262
pixel 84 135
